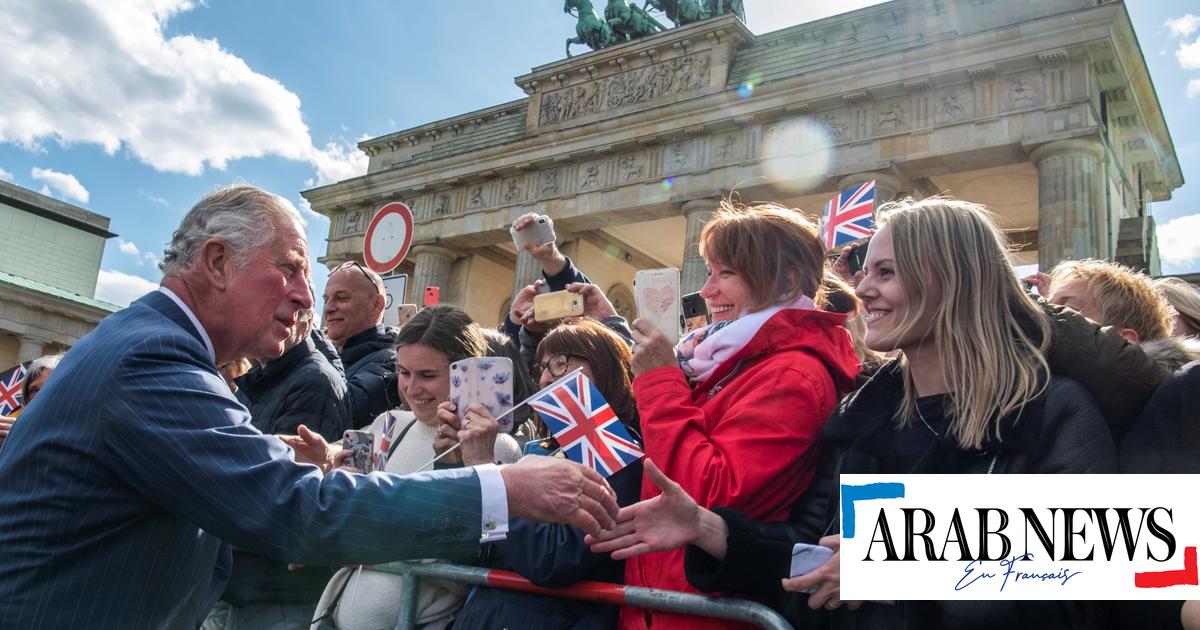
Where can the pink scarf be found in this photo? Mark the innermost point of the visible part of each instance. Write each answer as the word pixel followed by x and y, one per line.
pixel 703 350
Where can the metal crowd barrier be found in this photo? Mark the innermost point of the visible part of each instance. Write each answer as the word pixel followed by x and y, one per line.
pixel 599 592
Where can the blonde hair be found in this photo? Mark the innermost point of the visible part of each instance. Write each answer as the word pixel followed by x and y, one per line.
pixel 1127 298
pixel 991 364
pixel 1184 298
pixel 775 249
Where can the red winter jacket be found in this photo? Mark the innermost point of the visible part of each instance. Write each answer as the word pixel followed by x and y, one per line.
pixel 746 438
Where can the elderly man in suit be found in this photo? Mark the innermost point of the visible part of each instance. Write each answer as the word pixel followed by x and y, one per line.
pixel 136 469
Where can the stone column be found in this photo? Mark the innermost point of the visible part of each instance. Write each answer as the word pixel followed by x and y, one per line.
pixel 693 274
pixel 528 269
pixel 887 187
pixel 431 269
pixel 1072 214
pixel 30 349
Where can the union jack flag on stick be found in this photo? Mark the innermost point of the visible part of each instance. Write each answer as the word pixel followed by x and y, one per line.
pixel 586 428
pixel 848 216
pixel 10 390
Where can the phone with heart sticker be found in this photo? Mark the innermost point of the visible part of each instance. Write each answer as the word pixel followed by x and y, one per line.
pixel 656 292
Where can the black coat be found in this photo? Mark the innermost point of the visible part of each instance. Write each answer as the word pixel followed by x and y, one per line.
pixel 1166 438
pixel 1061 432
pixel 300 387
pixel 370 361
pixel 551 556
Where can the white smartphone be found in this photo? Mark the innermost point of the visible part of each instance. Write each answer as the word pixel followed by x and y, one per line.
pixel 656 292
pixel 539 232
pixel 806 558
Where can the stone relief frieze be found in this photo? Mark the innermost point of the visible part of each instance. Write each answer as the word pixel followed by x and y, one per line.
pixel 352 222
pixel 667 78
pixel 679 156
pixel 475 197
pixel 1023 92
pixel 836 124
pixel 548 182
pixel 632 167
pixel 953 104
pixel 726 148
pixel 591 176
pixel 512 190
pixel 441 205
pixel 892 116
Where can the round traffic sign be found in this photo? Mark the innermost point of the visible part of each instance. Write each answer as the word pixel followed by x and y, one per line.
pixel 388 237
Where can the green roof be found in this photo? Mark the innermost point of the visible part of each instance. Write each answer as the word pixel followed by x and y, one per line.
pixel 62 294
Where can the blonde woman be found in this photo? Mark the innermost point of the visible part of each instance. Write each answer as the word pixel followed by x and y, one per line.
pixel 971 392
pixel 1185 300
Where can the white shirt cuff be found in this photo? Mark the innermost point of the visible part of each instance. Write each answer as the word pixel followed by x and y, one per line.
pixel 494 525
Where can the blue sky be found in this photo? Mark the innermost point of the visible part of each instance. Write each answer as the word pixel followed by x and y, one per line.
pixel 136 108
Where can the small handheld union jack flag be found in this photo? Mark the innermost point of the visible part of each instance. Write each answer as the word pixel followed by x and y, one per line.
pixel 848 216
pixel 587 429
pixel 10 390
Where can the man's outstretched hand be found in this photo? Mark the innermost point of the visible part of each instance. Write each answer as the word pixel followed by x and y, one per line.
pixel 554 490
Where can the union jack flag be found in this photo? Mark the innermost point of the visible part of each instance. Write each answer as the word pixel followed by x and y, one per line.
pixel 587 429
pixel 10 390
pixel 848 216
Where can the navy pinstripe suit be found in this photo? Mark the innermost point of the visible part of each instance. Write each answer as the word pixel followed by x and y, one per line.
pixel 124 484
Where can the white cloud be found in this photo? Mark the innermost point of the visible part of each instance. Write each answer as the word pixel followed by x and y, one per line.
pixel 1189 55
pixel 5 175
pixel 1183 26
pixel 64 184
pixel 1193 88
pixel 128 248
pixel 121 288
pixel 1179 240
pixel 103 72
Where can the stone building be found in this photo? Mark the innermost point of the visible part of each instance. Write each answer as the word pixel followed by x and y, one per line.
pixel 1044 111
pixel 50 255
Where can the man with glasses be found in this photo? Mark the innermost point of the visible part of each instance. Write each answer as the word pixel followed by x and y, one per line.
pixel 354 303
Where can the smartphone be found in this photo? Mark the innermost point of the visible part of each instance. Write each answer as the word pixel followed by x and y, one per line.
pixel 487 381
pixel 857 258
pixel 695 312
pixel 432 294
pixel 361 444
pixel 405 312
pixel 656 292
pixel 806 558
pixel 550 307
pixel 539 232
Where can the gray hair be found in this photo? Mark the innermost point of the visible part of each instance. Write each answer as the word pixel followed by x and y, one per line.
pixel 242 216
pixel 36 367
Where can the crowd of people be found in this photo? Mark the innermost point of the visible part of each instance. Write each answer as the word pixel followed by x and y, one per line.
pixel 934 358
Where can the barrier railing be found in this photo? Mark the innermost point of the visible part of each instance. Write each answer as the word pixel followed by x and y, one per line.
pixel 600 592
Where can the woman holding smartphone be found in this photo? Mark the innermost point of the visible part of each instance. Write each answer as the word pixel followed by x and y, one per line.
pixel 733 411
pixel 359 598
pixel 950 403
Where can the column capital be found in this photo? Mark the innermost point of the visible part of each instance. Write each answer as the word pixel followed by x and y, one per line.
pixel 433 250
pixel 884 181
pixel 708 204
pixel 1074 146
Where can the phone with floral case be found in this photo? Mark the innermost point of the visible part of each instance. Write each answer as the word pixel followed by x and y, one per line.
pixel 361 445
pixel 487 381
pixel 656 292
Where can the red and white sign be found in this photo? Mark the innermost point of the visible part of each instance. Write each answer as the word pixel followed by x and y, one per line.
pixel 388 237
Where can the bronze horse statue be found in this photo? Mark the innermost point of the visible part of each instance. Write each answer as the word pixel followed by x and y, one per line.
pixel 687 11
pixel 589 29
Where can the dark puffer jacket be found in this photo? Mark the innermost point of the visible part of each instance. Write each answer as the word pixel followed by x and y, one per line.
pixel 1061 432
pixel 370 361
pixel 300 387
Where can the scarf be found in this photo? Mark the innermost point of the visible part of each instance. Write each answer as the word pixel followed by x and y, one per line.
pixel 703 350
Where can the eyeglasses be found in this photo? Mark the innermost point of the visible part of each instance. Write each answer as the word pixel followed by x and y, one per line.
pixel 354 263
pixel 556 365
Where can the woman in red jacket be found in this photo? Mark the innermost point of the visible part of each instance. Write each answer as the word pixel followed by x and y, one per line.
pixel 734 411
